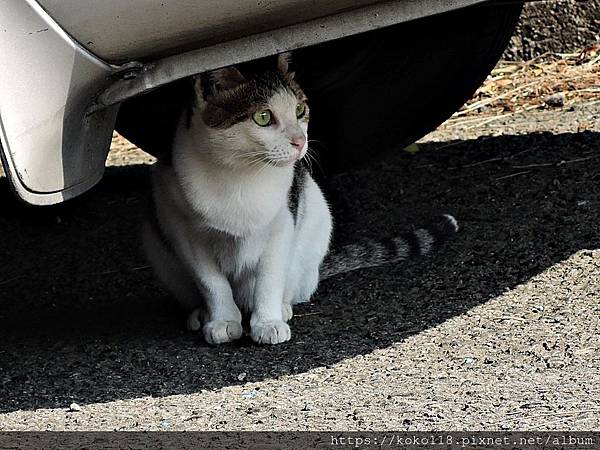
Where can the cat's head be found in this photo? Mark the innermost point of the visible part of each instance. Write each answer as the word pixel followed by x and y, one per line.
pixel 253 119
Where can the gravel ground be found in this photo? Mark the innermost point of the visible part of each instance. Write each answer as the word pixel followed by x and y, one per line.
pixel 554 26
pixel 498 331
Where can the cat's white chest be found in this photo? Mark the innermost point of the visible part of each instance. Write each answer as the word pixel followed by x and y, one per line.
pixel 239 214
pixel 239 207
pixel 236 256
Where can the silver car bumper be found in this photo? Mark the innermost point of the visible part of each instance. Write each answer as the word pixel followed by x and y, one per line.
pixel 65 68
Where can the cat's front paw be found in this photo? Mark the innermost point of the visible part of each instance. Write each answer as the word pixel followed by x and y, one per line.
pixel 270 332
pixel 219 331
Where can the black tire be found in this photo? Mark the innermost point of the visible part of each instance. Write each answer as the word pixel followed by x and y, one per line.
pixel 369 93
pixel 402 83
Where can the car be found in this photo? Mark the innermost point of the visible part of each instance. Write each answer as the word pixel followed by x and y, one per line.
pixel 378 74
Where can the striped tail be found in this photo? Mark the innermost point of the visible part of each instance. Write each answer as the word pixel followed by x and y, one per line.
pixel 373 253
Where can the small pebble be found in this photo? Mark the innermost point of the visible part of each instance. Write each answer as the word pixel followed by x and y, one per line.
pixel 249 394
pixel 74 407
pixel 242 376
pixel 556 100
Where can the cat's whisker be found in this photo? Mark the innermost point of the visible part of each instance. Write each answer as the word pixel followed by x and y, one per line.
pixel 307 158
pixel 248 155
pixel 260 164
pixel 310 141
pixel 252 159
pixel 315 156
pixel 264 164
pixel 252 164
pixel 312 157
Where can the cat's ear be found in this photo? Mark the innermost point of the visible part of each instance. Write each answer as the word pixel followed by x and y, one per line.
pixel 208 83
pixel 226 78
pixel 283 63
pixel 201 85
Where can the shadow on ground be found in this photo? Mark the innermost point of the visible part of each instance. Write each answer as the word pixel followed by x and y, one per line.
pixel 82 320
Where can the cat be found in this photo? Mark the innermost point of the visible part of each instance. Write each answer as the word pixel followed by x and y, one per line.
pixel 238 227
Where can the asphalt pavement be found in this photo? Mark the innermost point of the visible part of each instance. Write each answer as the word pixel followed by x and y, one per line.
pixel 499 330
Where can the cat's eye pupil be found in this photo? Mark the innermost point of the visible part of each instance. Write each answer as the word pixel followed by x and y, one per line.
pixel 262 118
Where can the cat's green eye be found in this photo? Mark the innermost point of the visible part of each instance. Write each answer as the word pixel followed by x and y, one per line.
pixel 300 110
pixel 262 118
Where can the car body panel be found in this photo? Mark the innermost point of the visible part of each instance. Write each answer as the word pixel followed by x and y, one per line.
pixel 140 29
pixel 156 73
pixel 52 149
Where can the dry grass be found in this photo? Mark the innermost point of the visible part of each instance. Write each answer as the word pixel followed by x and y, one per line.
pixel 123 153
pixel 549 81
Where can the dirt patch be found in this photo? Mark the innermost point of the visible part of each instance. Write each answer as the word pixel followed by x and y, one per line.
pixel 545 83
pixel 557 26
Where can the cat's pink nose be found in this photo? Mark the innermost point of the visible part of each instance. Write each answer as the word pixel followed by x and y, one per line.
pixel 298 141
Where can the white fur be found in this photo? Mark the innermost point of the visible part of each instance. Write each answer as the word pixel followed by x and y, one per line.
pixel 233 245
pixel 426 241
pixel 453 221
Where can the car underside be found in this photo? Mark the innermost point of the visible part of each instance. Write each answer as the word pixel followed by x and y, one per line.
pixel 379 75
